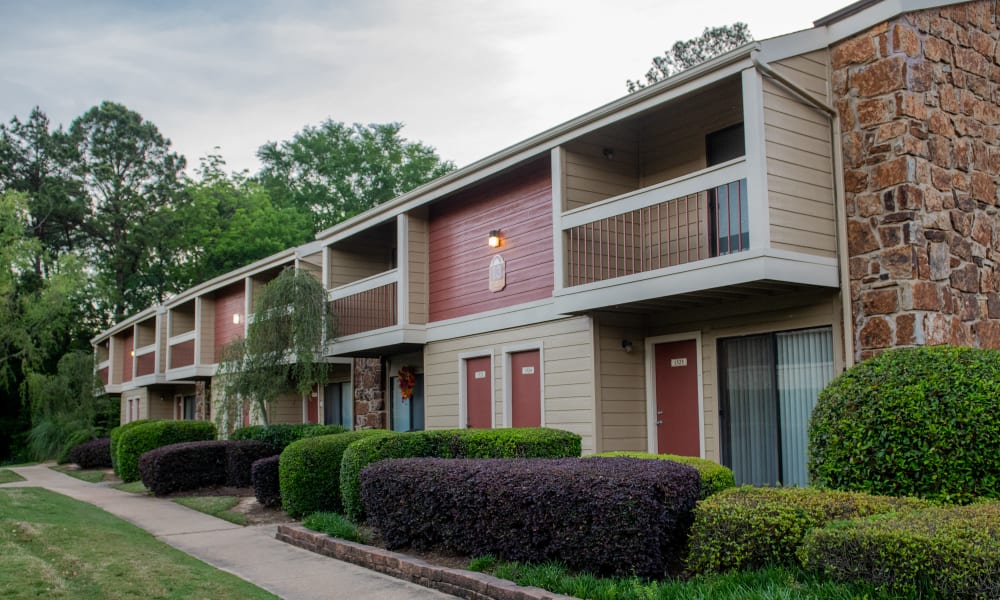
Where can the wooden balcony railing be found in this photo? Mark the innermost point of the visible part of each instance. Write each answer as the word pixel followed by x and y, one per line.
pixel 181 354
pixel 145 364
pixel 682 221
pixel 366 305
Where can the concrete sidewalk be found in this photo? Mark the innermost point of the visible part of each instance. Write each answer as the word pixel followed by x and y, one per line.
pixel 251 553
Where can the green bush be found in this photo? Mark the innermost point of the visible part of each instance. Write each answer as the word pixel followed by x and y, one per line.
pixel 281 434
pixel 116 434
pixel 449 443
pixel 751 528
pixel 309 472
pixel 135 441
pixel 951 552
pixel 335 525
pixel 919 422
pixel 714 477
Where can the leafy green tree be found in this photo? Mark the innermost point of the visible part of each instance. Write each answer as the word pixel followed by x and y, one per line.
pixel 228 221
pixel 283 349
pixel 335 171
pixel 688 53
pixel 132 182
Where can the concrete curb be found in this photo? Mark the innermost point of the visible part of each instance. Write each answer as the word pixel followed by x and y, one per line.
pixel 457 582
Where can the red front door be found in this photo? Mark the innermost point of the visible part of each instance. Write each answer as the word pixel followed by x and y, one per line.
pixel 526 389
pixel 478 396
pixel 677 429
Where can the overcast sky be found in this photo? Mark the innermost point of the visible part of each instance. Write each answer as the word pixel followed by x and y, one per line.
pixel 469 77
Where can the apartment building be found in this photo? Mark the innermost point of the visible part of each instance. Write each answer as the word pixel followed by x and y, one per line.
pixel 681 270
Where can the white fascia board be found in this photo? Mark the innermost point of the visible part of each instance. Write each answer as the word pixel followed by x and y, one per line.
pixel 379 338
pixel 275 260
pixel 529 313
pixel 125 324
pixel 745 267
pixel 175 375
pixel 659 93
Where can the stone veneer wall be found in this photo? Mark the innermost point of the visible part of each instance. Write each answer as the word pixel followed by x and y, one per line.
pixel 918 101
pixel 369 395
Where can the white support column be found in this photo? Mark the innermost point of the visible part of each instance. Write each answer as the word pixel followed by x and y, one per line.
pixel 198 308
pixel 756 153
pixel 558 204
pixel 247 303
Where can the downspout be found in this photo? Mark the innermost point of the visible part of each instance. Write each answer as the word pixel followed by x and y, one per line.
pixel 838 192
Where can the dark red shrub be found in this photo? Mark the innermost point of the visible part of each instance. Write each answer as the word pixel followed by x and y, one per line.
pixel 240 456
pixel 92 454
pixel 264 474
pixel 184 466
pixel 614 516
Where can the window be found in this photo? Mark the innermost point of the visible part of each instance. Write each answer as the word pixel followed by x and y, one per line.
pixel 769 386
pixel 338 404
pixel 728 218
pixel 725 144
pixel 408 415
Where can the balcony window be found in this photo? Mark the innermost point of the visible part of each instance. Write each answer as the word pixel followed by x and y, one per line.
pixel 728 220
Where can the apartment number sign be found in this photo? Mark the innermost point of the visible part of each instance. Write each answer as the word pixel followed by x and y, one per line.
pixel 498 274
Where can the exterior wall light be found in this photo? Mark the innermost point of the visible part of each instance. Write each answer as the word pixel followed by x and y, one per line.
pixel 236 318
pixel 627 346
pixel 131 352
pixel 494 239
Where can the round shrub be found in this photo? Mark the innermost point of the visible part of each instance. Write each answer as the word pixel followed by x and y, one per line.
pixel 72 441
pixel 309 472
pixel 116 435
pixel 714 477
pixel 264 475
pixel 184 466
pixel 92 454
pixel 240 456
pixel 280 435
pixel 137 440
pixel 911 422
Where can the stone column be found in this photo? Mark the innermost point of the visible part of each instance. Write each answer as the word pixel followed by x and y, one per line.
pixel 369 395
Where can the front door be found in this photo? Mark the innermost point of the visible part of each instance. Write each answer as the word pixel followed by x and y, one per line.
pixel 478 393
pixel 526 389
pixel 676 381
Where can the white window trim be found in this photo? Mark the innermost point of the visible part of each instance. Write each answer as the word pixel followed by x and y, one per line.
pixel 651 438
pixel 507 376
pixel 463 392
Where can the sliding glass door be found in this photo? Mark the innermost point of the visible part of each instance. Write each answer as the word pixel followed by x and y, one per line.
pixel 769 386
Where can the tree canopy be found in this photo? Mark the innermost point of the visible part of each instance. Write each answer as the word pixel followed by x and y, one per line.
pixel 335 171
pixel 684 54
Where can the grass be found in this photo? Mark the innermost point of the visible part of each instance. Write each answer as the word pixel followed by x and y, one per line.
pixel 134 487
pixel 766 584
pixel 55 547
pixel 217 506
pixel 88 475
pixel 8 476
pixel 335 525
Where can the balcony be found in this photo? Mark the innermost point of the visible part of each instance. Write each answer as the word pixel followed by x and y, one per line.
pixel 700 234
pixel 145 361
pixel 366 314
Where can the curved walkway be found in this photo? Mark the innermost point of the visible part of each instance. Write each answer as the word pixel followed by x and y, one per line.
pixel 251 553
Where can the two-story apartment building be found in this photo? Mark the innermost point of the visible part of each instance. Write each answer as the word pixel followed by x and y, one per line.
pixel 681 270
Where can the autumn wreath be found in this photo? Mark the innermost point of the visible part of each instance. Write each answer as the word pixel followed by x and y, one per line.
pixel 406 382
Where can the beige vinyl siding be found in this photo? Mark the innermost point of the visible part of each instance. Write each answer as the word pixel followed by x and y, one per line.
pixel 161 405
pixel 417 265
pixel 762 316
pixel 287 408
pixel 161 342
pixel 143 395
pixel 799 160
pixel 567 371
pixel 206 335
pixel 182 318
pixel 590 176
pixel 621 386
pixel 363 255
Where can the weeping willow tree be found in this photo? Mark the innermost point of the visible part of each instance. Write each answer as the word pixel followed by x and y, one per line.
pixel 282 351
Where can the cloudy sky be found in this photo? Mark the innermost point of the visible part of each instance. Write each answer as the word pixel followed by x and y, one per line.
pixel 468 77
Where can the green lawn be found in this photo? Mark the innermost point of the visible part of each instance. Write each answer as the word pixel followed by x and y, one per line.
pixel 88 475
pixel 135 487
pixel 8 476
pixel 52 546
pixel 217 506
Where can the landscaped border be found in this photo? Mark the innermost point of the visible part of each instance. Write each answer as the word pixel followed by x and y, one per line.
pixel 457 582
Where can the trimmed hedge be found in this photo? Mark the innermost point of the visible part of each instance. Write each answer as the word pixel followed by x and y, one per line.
pixel 280 435
pixel 912 422
pixel 450 443
pixel 193 465
pixel 115 436
pixel 94 454
pixel 751 528
pixel 184 466
pixel 714 477
pixel 616 516
pixel 137 440
pixel 72 441
pixel 240 456
pixel 264 475
pixel 309 472
pixel 950 552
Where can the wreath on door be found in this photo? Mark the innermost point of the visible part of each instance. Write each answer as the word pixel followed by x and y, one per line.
pixel 406 382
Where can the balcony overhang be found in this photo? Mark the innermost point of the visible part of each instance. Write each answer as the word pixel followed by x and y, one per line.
pixel 753 272
pixel 379 342
pixel 192 372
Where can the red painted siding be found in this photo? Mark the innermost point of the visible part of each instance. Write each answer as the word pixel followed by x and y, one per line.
pixel 128 343
pixel 103 374
pixel 146 364
pixel 521 207
pixel 229 301
pixel 182 354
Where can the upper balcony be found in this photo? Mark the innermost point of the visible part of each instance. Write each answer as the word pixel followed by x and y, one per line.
pixel 719 194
